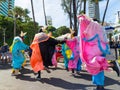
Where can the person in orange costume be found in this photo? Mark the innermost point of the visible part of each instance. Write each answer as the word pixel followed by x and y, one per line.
pixel 43 48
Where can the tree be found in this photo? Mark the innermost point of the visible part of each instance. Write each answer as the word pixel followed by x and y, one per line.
pixel 44 13
pixel 67 7
pixel 6 23
pixel 33 15
pixel 105 12
pixel 2 1
pixel 25 15
pixel 16 13
pixel 29 28
pixel 75 17
pixel 72 8
pixel 62 30
pixel 84 10
pixel 51 29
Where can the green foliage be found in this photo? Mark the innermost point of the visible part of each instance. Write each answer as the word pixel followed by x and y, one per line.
pixel 116 32
pixel 51 29
pixel 29 28
pixel 62 30
pixel 3 1
pixel 119 22
pixel 6 24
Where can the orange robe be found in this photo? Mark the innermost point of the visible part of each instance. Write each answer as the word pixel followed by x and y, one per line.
pixel 36 58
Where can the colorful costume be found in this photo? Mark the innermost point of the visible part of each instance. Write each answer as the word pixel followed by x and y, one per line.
pixel 66 52
pixel 93 48
pixel 36 60
pixel 17 55
pixel 74 62
pixel 54 60
pixel 42 51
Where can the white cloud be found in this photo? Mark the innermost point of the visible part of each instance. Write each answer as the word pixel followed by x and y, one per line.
pixel 53 9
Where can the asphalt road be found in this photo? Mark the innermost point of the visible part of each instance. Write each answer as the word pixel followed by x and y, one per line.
pixel 58 79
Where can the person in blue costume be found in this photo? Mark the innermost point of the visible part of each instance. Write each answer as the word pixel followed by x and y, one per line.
pixel 17 56
pixel 66 57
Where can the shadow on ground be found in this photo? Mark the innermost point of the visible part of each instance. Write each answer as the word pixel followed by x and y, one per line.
pixel 58 82
pixel 61 83
pixel 4 66
pixel 110 81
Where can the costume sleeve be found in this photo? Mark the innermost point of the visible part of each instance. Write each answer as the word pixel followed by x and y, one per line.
pixel 22 46
pixel 54 42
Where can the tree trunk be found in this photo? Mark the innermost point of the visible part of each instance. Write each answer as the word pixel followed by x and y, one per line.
pixel 33 14
pixel 14 26
pixel 84 11
pixel 70 15
pixel 44 13
pixel 105 12
pixel 75 17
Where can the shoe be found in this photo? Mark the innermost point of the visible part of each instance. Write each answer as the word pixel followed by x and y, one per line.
pixel 73 71
pixel 48 71
pixel 78 72
pixel 67 69
pixel 100 87
pixel 116 67
pixel 38 78
pixel 15 72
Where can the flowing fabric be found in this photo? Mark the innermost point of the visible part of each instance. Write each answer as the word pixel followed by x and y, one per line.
pixel 66 52
pixel 73 44
pixel 17 54
pixel 36 58
pixel 93 45
pixel 54 60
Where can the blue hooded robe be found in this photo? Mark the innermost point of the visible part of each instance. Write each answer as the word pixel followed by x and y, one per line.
pixel 17 55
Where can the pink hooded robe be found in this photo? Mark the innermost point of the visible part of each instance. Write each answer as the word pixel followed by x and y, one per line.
pixel 73 44
pixel 93 45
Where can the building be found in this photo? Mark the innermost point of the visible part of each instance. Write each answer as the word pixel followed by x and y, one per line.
pixel 93 10
pixel 49 20
pixel 6 6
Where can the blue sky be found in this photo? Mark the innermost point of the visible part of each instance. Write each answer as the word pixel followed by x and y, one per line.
pixel 59 18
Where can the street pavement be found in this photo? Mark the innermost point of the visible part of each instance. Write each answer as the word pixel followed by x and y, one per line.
pixel 58 79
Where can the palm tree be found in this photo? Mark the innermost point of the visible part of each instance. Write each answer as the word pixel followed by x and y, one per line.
pixel 44 13
pixel 105 12
pixel 84 10
pixel 25 15
pixel 75 17
pixel 67 7
pixel 16 13
pixel 33 14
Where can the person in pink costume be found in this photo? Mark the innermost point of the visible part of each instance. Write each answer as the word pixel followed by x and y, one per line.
pixel 93 49
pixel 75 62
